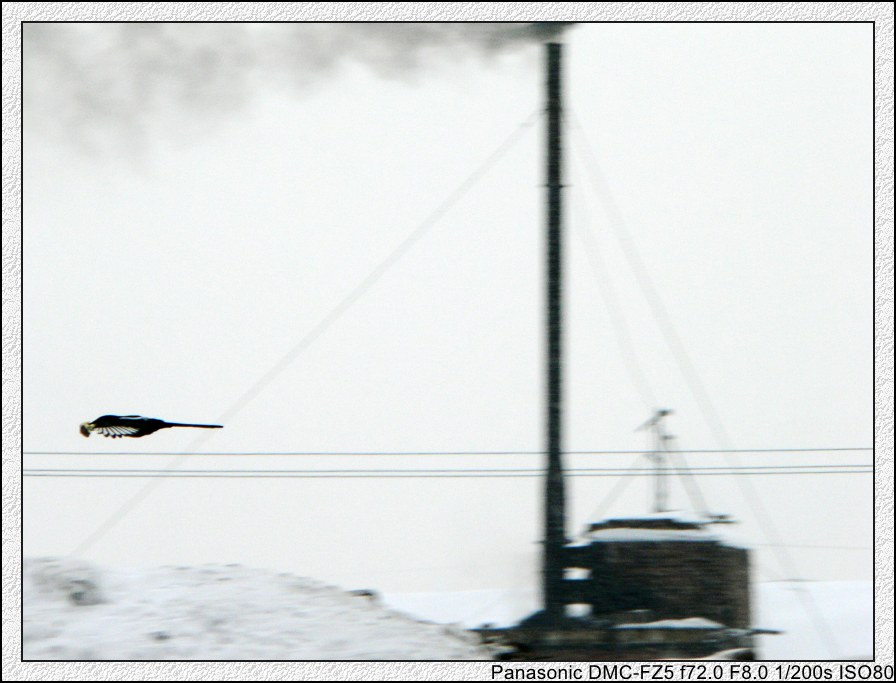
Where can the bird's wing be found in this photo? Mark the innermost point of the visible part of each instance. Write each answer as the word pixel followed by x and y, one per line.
pixel 116 431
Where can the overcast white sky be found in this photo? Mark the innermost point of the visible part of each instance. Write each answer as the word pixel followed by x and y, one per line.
pixel 197 199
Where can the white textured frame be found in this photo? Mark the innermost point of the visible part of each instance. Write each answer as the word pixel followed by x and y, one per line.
pixel 15 12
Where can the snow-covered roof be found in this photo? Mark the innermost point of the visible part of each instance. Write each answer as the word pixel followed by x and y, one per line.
pixel 691 623
pixel 673 525
pixel 622 534
pixel 683 516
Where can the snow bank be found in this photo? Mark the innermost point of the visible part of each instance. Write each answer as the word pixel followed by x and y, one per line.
pixel 74 610
pixel 842 609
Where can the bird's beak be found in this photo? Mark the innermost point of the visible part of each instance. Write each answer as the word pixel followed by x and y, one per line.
pixel 85 429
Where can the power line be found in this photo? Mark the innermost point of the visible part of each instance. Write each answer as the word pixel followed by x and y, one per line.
pixel 641 470
pixel 175 474
pixel 435 453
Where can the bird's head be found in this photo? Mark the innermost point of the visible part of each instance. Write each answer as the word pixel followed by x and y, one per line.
pixel 86 428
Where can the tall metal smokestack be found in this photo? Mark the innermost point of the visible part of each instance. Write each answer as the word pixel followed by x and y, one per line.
pixel 554 509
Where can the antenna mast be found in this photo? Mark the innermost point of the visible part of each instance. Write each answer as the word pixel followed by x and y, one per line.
pixel 660 447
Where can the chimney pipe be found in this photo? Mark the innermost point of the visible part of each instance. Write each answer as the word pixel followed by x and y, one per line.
pixel 554 534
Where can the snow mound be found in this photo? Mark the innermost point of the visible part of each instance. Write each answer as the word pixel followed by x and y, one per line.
pixel 76 611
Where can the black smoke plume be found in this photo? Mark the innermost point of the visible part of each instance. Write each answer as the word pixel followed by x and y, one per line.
pixel 107 85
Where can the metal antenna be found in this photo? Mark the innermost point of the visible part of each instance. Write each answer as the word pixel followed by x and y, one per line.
pixel 658 455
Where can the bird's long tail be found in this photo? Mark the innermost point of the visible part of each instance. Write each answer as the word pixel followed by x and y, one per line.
pixel 181 424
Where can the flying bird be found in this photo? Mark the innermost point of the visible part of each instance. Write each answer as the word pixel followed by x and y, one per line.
pixel 116 426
